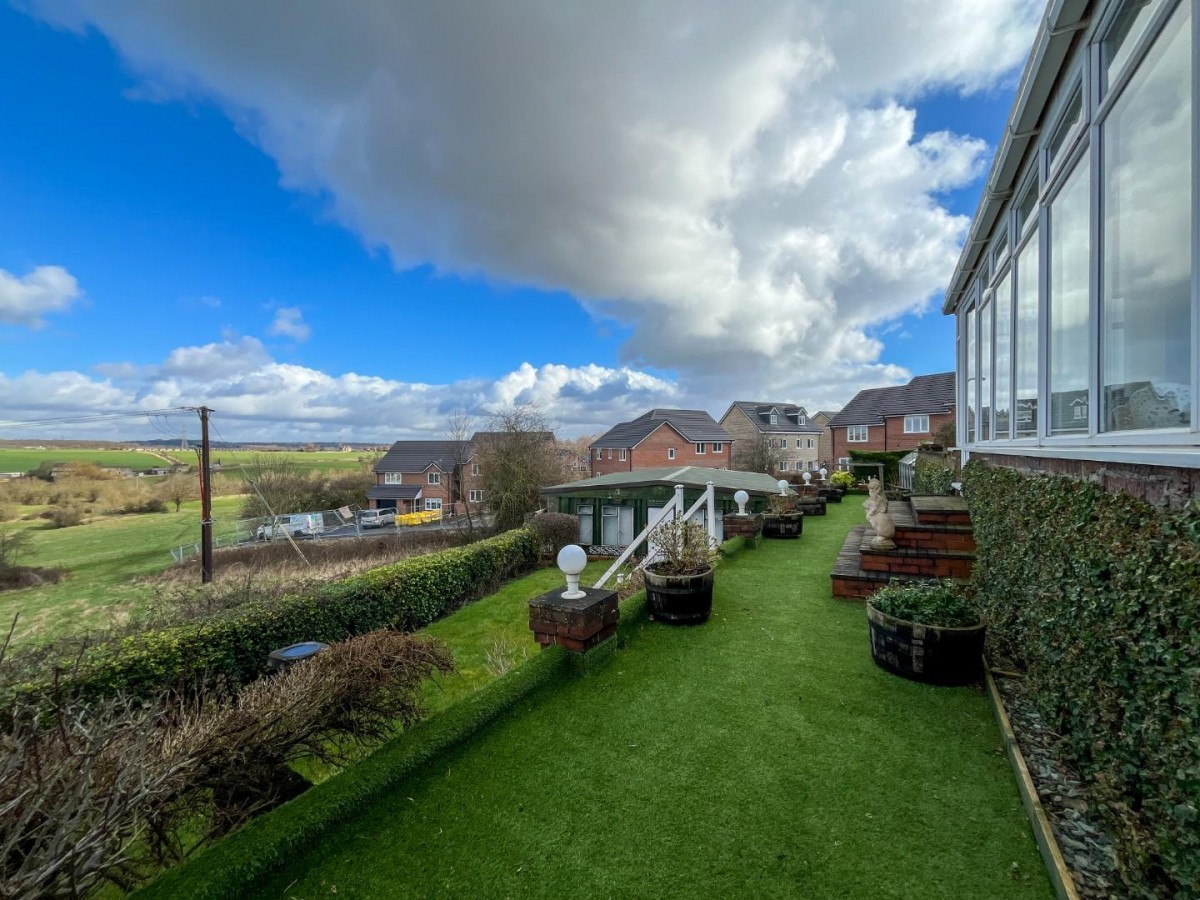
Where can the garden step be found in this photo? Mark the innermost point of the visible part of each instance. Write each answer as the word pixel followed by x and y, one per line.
pixel 851 581
pixel 956 538
pixel 922 562
pixel 931 509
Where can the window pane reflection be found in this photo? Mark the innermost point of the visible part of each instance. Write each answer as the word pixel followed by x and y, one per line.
pixel 1146 302
pixel 1002 375
pixel 985 383
pixel 1025 341
pixel 1068 307
pixel 972 376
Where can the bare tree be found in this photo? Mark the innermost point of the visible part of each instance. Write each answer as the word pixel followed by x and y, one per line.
pixel 179 488
pixel 760 455
pixel 460 427
pixel 518 457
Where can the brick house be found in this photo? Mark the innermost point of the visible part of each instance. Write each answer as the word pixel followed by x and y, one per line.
pixel 662 437
pixel 415 476
pixel 825 442
pixel 892 418
pixel 785 425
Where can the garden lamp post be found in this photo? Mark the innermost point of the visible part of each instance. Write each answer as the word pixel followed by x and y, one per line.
pixel 741 498
pixel 783 487
pixel 571 560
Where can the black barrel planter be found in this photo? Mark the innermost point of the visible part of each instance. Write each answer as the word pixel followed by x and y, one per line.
pixel 831 494
pixel 680 599
pixel 783 525
pixel 926 653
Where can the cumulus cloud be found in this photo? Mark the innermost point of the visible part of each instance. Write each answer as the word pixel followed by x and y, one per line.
pixel 47 289
pixel 742 183
pixel 257 397
pixel 289 322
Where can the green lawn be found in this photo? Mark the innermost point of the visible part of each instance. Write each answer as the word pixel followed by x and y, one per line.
pixel 101 557
pixel 319 460
pixel 759 755
pixel 25 460
pixel 497 624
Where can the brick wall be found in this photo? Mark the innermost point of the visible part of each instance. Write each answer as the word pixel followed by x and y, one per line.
pixel 651 453
pixel 889 436
pixel 1169 488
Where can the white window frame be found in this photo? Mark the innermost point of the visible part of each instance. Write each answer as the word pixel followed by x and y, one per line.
pixel 599 453
pixel 475 495
pixel 718 447
pixel 858 434
pixel 670 453
pixel 475 470
pixel 433 478
pixel 700 448
pixel 911 423
pixel 433 503
pixel 622 454
pixel 783 465
pixel 393 478
pixel 1083 74
pixel 844 463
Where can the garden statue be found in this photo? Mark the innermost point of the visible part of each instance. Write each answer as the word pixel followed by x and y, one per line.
pixel 876 506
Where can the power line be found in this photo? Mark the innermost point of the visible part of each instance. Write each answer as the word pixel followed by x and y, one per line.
pixel 96 417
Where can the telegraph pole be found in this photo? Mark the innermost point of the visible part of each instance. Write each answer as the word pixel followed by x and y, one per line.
pixel 206 546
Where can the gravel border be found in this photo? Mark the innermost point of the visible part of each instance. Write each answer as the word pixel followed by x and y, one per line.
pixel 1086 847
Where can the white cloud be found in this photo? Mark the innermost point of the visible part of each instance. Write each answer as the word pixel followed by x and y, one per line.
pixel 742 183
pixel 289 322
pixel 47 289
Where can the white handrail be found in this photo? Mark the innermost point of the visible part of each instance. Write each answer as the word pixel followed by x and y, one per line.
pixel 675 505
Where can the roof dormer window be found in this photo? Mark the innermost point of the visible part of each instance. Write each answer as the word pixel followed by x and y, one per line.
pixel 774 417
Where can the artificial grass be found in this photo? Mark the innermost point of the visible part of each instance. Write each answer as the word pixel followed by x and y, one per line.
pixel 760 754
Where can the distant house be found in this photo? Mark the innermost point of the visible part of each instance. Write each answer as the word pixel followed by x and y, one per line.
pixel 663 437
pixel 417 476
pixel 574 465
pixel 785 425
pixel 892 418
pixel 825 443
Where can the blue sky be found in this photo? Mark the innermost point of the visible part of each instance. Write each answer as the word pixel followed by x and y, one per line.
pixel 165 204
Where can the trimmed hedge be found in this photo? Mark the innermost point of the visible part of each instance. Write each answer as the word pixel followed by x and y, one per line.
pixel 251 854
pixel 1097 596
pixel 889 458
pixel 404 595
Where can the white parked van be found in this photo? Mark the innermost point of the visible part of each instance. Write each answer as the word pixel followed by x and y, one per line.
pixel 297 525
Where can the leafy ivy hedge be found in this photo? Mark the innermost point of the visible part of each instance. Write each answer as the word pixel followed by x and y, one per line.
pixel 235 645
pixel 931 475
pixel 1096 596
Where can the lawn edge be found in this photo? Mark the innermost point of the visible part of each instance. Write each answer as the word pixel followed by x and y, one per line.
pixel 248 856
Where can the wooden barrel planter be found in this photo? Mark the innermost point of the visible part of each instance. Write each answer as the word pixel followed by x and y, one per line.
pixel 949 656
pixel 783 525
pixel 680 599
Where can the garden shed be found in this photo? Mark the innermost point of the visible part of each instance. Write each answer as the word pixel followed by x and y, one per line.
pixel 614 508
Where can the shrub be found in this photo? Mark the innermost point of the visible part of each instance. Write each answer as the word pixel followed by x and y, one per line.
pixel 842 479
pixel 235 645
pixel 683 548
pixel 1096 596
pixel 554 531
pixel 932 476
pixel 65 516
pixel 942 604
pixel 889 458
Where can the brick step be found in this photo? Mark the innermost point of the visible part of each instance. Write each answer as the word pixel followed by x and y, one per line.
pixel 850 581
pixel 918 564
pixel 953 538
pixel 928 509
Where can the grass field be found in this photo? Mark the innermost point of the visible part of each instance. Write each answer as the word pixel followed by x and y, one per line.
pixel 318 460
pixel 25 460
pixel 101 558
pixel 762 754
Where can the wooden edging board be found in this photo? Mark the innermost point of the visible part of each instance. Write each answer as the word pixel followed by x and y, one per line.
pixel 1056 867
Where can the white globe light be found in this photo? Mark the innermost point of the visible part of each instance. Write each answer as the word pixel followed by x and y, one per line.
pixel 824 471
pixel 783 486
pixel 571 559
pixel 807 476
pixel 741 498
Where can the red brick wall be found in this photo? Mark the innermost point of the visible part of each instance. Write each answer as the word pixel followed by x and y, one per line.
pixel 651 453
pixel 889 436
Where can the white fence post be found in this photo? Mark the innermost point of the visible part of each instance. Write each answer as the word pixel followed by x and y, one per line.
pixel 711 512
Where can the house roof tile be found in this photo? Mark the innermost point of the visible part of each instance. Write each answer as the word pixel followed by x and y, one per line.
pixel 931 394
pixel 394 492
pixel 693 424
pixel 787 418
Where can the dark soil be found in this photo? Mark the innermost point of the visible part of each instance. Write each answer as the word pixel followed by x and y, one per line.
pixel 1086 848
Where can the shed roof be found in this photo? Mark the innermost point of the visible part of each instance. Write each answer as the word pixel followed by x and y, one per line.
pixel 693 424
pixel 929 394
pixel 689 476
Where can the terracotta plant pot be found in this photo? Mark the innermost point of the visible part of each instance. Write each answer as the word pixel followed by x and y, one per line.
pixel 680 599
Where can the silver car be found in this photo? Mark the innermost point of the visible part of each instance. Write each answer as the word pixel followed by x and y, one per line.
pixel 376 518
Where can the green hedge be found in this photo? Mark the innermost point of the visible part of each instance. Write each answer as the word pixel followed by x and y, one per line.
pixel 889 458
pixel 406 594
pixel 1096 596
pixel 232 868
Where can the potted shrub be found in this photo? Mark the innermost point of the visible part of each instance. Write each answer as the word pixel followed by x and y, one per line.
pixel 679 582
pixel 928 631
pixel 843 481
pixel 783 520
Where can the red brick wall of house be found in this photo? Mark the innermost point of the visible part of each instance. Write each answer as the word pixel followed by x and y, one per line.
pixel 889 436
pixel 651 453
